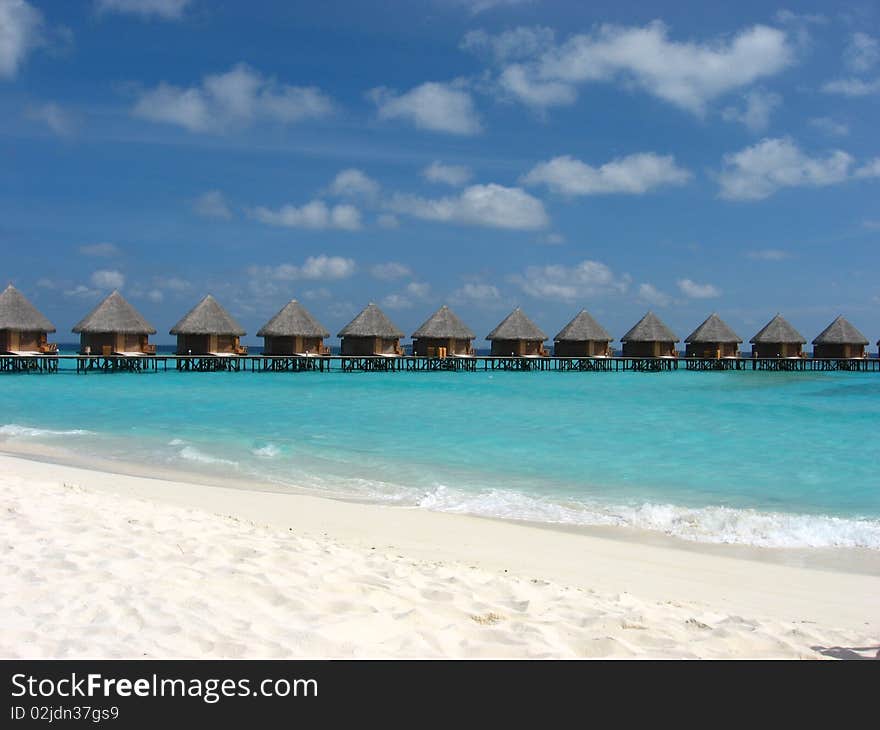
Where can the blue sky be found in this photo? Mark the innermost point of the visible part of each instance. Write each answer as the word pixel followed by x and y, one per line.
pixel 482 153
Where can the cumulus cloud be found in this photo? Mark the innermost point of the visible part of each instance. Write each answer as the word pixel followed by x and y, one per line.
pixel 829 126
pixel 479 6
pixel 402 300
pixel 633 175
pixel 862 52
pixel 769 254
pixel 108 279
pixel 53 116
pixel 492 205
pixel 172 283
pixel 454 175
pixel 437 107
pixel 652 295
pixel 314 268
pixel 758 105
pixel 316 215
pixel 852 87
pixel 698 291
pixel 353 183
pixel 390 270
pixel 477 292
pixel 757 172
pixel 21 30
pixel 212 204
pixel 164 9
pixel 509 45
pixel 234 99
pixel 568 283
pixel 100 249
pixel 688 74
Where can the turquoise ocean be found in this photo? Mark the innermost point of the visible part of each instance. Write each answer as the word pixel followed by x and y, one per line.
pixel 773 459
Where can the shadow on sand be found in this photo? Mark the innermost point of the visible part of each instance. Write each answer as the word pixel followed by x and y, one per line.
pixel 852 652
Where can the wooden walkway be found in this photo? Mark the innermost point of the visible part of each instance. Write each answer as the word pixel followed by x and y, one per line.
pixel 84 364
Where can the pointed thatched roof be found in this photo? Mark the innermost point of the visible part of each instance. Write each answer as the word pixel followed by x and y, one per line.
pixel 583 328
pixel 444 323
pixel 371 322
pixel 208 317
pixel 714 329
pixel 778 330
pixel 114 314
pixel 293 320
pixel 516 326
pixel 840 332
pixel 650 329
pixel 17 313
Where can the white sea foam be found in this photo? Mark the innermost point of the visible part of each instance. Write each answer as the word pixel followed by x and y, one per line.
pixel 16 431
pixel 190 453
pixel 269 451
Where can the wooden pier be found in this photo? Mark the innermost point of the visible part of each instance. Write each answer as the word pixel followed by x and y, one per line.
pixel 84 364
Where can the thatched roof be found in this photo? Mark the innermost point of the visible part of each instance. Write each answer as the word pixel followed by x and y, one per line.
pixel 294 320
pixel 17 313
pixel 371 322
pixel 714 329
pixel 208 317
pixel 115 314
pixel 516 326
pixel 650 329
pixel 840 332
pixel 444 323
pixel 778 330
pixel 583 328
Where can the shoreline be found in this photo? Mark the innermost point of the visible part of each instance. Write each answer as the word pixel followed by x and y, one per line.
pixel 657 575
pixel 856 560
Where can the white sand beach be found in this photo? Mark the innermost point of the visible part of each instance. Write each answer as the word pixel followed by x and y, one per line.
pixel 96 564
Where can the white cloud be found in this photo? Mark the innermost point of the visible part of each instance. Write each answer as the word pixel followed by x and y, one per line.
pixel 437 107
pixel 769 254
pixel 21 30
pixel 81 290
pixel 652 295
pixel 316 215
pixel 479 6
pixel 165 9
pixel 323 268
pixel 634 175
pixel 418 289
pixel 698 291
pixel 353 183
pixel 53 116
pixel 388 221
pixel 454 175
pixel 403 300
pixel 390 270
pixel 568 283
pixel 757 172
pixel 100 249
pixel 172 283
pixel 852 87
pixel 869 169
pixel 687 74
pixel 155 295
pixel 108 279
pixel 829 126
pixel 518 43
pixel 212 204
pixel 237 98
pixel 862 52
pixel 757 108
pixel 492 205
pixel 477 292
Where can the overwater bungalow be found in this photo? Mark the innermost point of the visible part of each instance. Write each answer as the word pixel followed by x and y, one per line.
pixel 650 337
pixel 208 329
pixel 371 333
pixel 713 338
pixel 114 327
pixel 442 334
pixel 778 339
pixel 517 336
pixel 294 331
pixel 23 328
pixel 840 339
pixel 583 337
